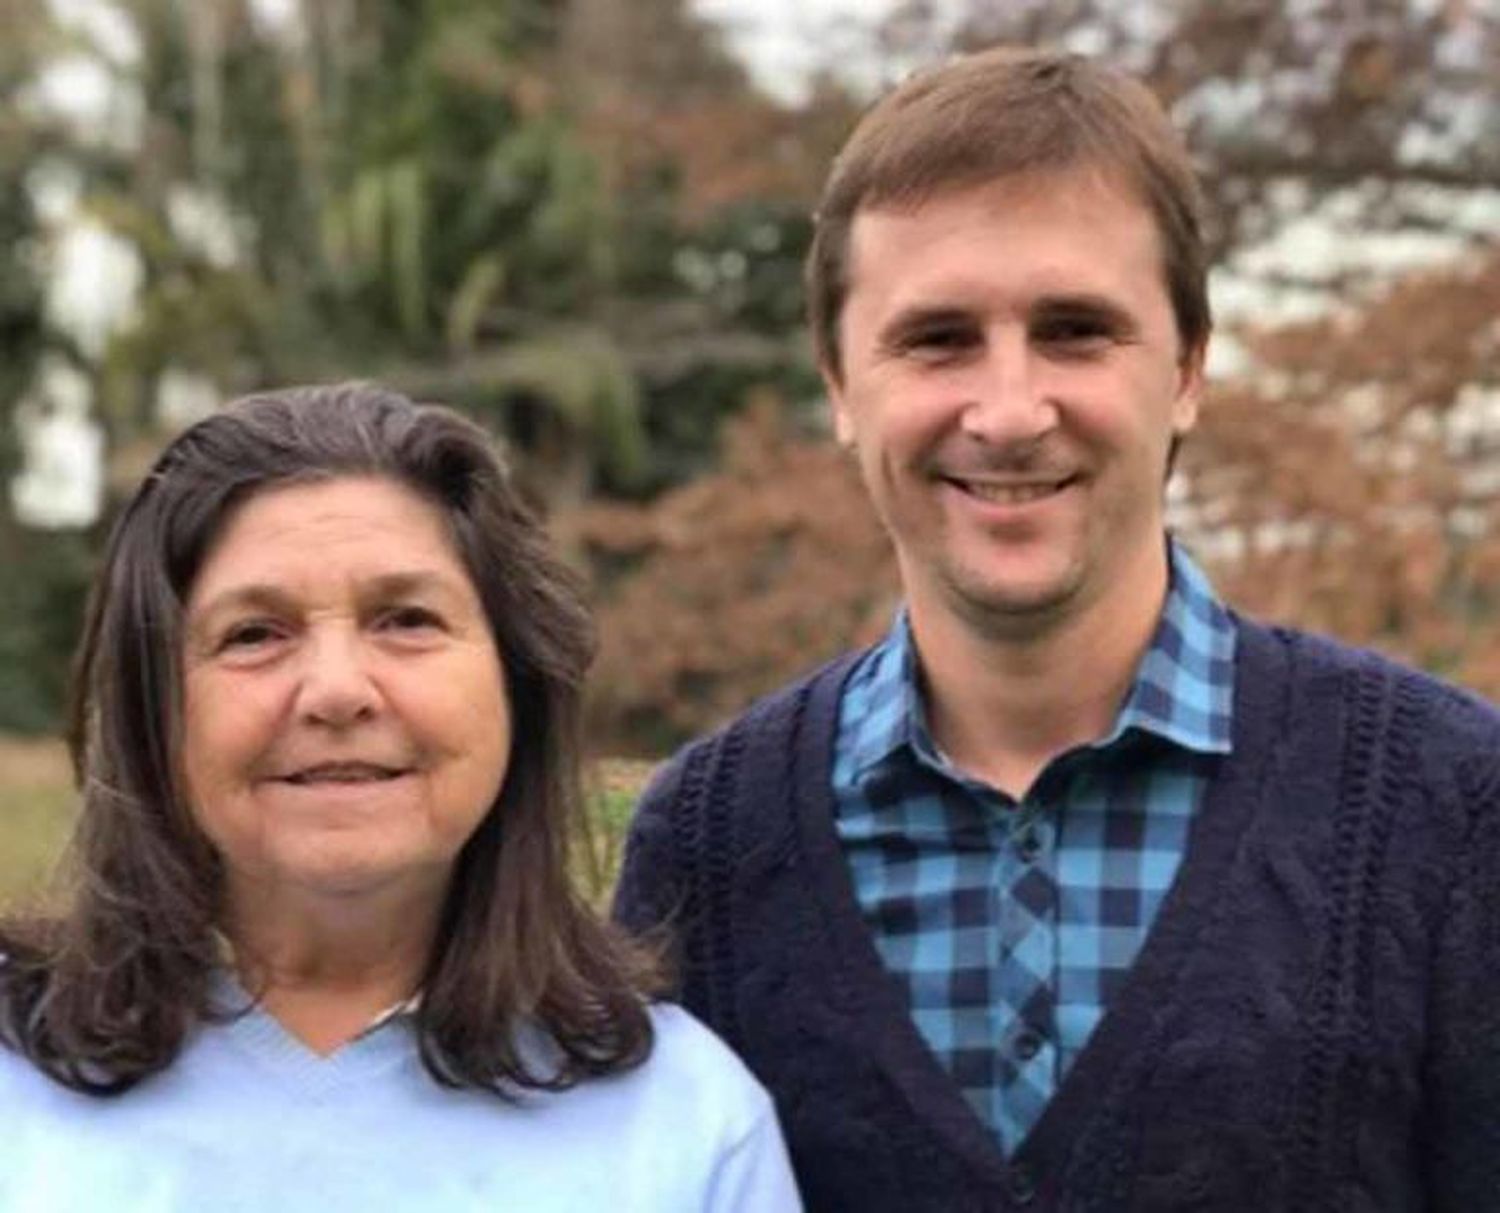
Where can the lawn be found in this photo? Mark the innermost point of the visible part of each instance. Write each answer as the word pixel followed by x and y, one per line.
pixel 36 809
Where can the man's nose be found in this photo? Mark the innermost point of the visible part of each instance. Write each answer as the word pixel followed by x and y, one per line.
pixel 1009 400
pixel 337 686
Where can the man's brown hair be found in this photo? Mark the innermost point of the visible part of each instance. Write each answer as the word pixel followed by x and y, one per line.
pixel 1001 112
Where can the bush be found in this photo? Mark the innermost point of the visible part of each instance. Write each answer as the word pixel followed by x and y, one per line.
pixel 724 589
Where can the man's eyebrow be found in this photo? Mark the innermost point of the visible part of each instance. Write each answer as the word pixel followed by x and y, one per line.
pixel 1086 304
pixel 921 316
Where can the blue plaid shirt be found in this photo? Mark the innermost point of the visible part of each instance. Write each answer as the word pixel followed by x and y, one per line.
pixel 1013 923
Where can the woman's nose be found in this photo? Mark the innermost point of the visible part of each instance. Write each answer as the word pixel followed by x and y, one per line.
pixel 337 687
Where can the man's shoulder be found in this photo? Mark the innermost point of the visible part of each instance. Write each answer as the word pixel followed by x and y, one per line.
pixel 726 794
pixel 773 717
pixel 1441 714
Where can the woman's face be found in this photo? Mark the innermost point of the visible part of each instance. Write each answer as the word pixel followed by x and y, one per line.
pixel 346 726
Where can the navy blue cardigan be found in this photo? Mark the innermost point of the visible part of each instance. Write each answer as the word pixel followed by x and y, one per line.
pixel 1313 1022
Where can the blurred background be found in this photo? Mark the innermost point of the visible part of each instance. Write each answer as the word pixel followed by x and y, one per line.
pixel 582 222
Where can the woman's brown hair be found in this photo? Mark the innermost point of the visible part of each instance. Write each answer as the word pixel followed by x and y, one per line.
pixel 105 993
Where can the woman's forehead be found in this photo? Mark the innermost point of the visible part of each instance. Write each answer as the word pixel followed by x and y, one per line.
pixel 370 526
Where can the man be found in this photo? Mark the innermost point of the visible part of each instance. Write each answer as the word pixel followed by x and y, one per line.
pixel 1076 891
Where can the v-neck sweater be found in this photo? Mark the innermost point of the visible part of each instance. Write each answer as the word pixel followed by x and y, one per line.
pixel 1312 1024
pixel 247 1119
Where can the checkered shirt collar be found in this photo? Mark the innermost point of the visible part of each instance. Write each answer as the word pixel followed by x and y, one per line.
pixel 1183 688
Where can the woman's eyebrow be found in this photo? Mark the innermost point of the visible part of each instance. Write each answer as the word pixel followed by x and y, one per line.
pixel 248 596
pixel 413 581
pixel 268 596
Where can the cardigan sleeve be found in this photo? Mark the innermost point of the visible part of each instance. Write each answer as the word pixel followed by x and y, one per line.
pixel 1462 1128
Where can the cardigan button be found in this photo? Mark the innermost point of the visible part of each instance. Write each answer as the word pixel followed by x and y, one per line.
pixel 1020 1184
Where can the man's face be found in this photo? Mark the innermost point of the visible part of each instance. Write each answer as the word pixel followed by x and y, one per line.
pixel 1012 381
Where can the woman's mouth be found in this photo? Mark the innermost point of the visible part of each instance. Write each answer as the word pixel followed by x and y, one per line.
pixel 343 773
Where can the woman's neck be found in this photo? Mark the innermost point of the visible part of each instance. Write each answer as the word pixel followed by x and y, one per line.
pixel 325 971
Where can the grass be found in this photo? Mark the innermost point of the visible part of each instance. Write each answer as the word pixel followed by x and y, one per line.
pixel 36 812
pixel 613 786
pixel 37 802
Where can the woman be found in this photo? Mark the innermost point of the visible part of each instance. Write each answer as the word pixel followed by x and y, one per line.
pixel 321 950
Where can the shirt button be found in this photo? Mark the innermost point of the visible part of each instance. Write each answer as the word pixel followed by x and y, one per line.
pixel 1029 846
pixel 1028 1045
pixel 1021 1185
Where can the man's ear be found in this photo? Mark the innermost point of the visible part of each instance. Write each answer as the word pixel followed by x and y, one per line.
pixel 1190 380
pixel 838 404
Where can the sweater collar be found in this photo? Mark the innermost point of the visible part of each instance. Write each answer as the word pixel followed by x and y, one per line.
pixel 230 994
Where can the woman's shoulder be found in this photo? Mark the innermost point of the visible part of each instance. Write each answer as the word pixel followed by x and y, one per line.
pixel 684 1043
pixel 693 1067
pixel 689 1071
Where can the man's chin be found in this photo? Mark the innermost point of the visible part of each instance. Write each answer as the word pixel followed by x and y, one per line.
pixel 1013 605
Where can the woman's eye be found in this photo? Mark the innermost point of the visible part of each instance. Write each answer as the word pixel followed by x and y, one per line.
pixel 250 635
pixel 409 619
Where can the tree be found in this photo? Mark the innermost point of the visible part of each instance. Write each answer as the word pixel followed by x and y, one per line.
pixel 724 588
pixel 560 217
pixel 1352 487
pixel 370 188
pixel 41 593
pixel 1377 112
pixel 709 184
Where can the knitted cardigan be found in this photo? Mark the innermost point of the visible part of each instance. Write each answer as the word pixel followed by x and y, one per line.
pixel 1312 1024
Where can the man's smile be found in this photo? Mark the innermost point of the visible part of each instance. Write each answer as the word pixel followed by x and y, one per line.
pixel 1010 492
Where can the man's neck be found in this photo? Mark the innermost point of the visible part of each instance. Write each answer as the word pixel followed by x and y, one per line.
pixel 1003 702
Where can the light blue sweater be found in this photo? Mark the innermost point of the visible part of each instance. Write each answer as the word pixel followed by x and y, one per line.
pixel 249 1119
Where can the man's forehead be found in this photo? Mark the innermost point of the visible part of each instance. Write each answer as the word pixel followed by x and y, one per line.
pixel 917 239
pixel 1054 185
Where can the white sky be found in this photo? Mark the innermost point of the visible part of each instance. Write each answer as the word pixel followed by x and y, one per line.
pixel 783 40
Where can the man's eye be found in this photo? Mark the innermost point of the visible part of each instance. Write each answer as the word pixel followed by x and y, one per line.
pixel 939 342
pixel 1074 332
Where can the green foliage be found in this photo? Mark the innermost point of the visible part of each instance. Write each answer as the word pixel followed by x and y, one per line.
pixel 451 199
pixel 687 410
pixel 41 608
pixel 452 195
pixel 590 389
pixel 21 334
